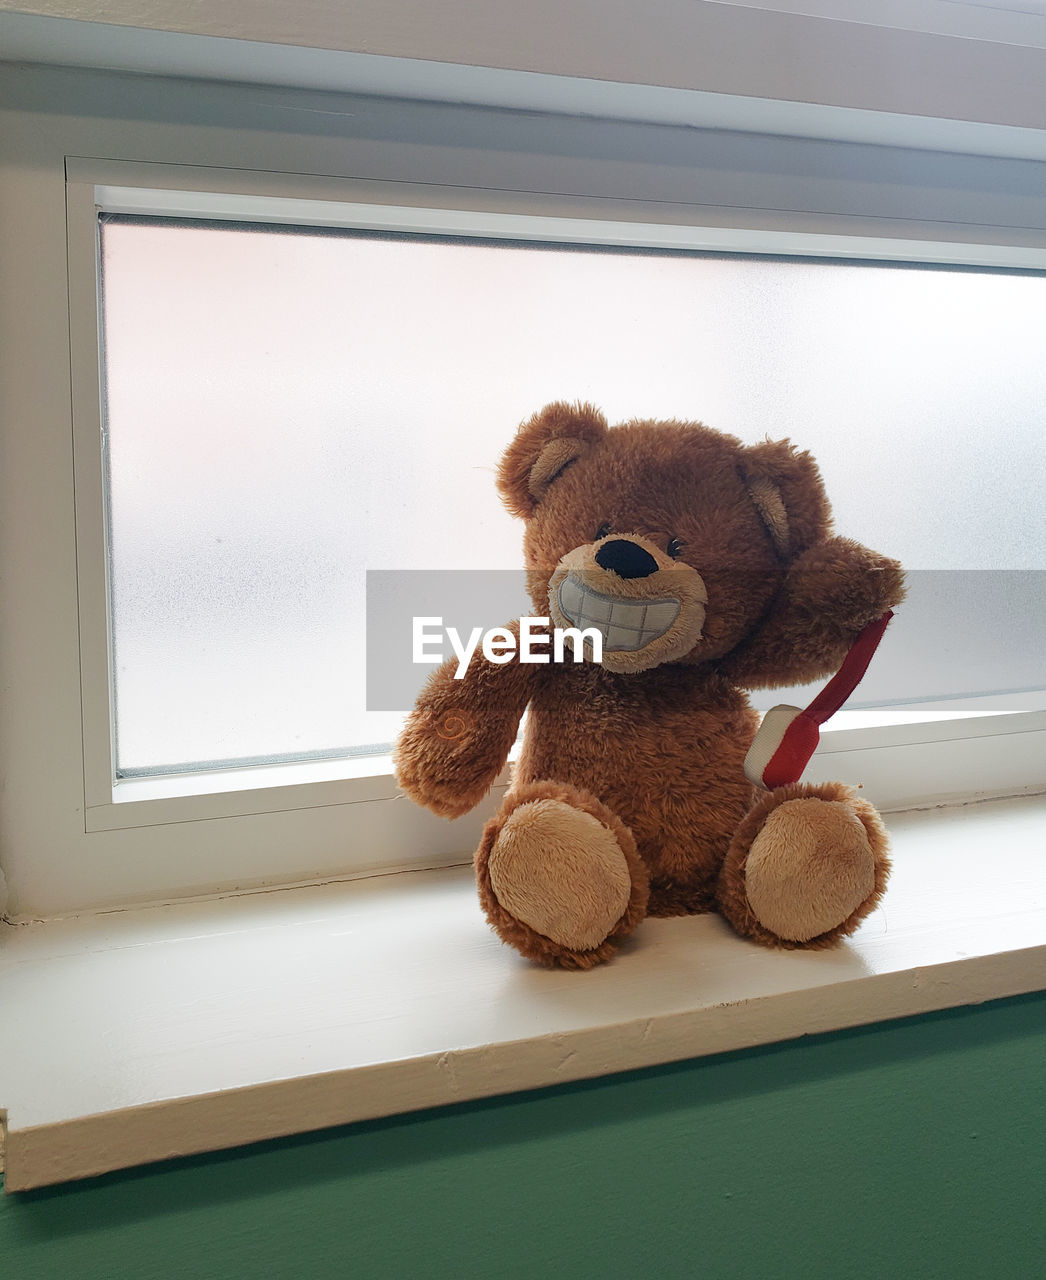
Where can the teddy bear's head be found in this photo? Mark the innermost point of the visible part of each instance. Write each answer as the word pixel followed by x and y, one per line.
pixel 668 537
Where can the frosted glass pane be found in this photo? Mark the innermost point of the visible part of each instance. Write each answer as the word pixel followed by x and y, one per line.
pixel 286 410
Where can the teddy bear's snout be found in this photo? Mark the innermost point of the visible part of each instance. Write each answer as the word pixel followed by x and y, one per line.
pixel 626 558
pixel 648 608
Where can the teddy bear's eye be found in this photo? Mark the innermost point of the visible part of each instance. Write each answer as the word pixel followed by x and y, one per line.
pixel 675 548
pixel 603 530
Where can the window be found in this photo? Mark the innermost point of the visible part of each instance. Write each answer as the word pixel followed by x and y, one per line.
pixel 323 807
pixel 290 407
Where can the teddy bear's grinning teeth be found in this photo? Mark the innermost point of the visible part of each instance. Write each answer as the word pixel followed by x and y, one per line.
pixel 626 625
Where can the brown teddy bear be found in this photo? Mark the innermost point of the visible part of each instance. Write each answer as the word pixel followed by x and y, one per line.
pixel 706 567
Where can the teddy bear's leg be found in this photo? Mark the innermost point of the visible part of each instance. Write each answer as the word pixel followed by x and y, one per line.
pixel 559 876
pixel 805 867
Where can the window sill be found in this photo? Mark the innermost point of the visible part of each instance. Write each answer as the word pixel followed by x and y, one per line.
pixel 355 1000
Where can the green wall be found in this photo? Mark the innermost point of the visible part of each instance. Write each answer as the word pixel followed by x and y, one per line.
pixel 911 1149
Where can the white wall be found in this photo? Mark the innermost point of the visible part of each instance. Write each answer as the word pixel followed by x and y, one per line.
pixel 959 76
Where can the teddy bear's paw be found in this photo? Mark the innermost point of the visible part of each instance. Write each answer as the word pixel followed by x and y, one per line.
pixel 561 872
pixel 559 877
pixel 809 868
pixel 446 759
pixel 806 867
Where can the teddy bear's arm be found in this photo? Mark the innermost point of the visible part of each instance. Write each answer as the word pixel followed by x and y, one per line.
pixel 456 740
pixel 830 593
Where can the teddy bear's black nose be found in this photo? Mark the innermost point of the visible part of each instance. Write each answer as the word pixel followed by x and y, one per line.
pixel 626 559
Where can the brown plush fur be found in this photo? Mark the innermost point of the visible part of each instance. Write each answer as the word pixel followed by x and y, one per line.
pixel 560 871
pixel 656 755
pixel 521 936
pixel 731 896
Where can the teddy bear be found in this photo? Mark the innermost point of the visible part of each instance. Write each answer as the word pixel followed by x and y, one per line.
pixel 705 567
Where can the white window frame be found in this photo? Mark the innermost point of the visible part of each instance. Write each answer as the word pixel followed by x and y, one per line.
pixel 301 822
pixel 147 189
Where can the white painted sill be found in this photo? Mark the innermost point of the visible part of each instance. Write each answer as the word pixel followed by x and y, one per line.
pixel 135 1036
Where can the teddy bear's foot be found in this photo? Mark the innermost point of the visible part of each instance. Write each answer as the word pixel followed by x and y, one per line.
pixel 806 866
pixel 559 876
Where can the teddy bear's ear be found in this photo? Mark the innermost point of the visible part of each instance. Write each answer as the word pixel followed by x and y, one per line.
pixel 786 488
pixel 545 445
